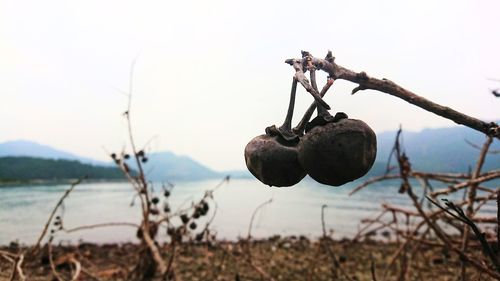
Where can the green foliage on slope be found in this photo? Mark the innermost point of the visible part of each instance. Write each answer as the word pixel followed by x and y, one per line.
pixel 29 168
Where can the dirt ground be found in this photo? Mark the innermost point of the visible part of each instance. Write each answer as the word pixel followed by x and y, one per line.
pixel 276 258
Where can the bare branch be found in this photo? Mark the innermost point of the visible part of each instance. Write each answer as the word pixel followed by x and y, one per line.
pixel 99 225
pixel 366 82
pixel 61 200
pixel 253 216
pixel 459 186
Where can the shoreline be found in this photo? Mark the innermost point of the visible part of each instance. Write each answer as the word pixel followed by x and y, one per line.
pixel 18 183
pixel 282 258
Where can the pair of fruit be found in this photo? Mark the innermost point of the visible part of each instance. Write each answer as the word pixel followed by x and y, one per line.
pixel 333 153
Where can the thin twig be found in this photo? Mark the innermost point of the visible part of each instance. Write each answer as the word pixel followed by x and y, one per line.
pixel 99 225
pixel 335 262
pixel 498 220
pixel 78 269
pixel 456 187
pixel 17 270
pixel 372 181
pixel 460 215
pixel 9 259
pixel 249 259
pixel 51 261
pixel 372 269
pixel 471 195
pixel 90 274
pixel 480 147
pixel 170 260
pixel 61 200
pixel 249 236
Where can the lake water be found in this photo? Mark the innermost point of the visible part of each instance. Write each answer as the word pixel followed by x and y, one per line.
pixel 294 210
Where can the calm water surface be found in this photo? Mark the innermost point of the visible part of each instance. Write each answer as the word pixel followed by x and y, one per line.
pixel 294 211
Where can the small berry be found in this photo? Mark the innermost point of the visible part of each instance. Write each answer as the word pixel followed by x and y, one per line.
pixel 199 236
pixel 126 156
pixel 166 208
pixel 155 200
pixel 144 160
pixel 184 218
pixel 140 153
pixel 167 193
pixel 170 231
pixel 113 155
pixel 205 206
pixel 154 211
pixel 192 225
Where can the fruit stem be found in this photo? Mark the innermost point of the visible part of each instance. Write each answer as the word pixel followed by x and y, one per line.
pixel 299 129
pixel 286 129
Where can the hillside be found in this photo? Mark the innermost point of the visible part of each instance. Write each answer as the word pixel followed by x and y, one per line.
pixel 167 166
pixel 33 149
pixel 29 168
pixel 441 149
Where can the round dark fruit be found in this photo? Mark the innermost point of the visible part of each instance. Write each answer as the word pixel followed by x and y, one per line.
pixel 205 206
pixel 338 152
pixel 170 231
pixel 184 218
pixel 192 225
pixel 273 161
pixel 155 200
pixel 199 236
pixel 166 208
pixel 167 193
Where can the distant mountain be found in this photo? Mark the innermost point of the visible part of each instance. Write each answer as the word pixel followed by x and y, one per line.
pixel 33 149
pixel 29 168
pixel 163 166
pixel 441 149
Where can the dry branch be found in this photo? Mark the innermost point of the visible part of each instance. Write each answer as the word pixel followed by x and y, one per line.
pixel 436 219
pixel 99 225
pixel 365 82
pixel 456 187
pixel 45 228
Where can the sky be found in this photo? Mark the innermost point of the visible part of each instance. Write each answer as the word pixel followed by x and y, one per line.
pixel 210 75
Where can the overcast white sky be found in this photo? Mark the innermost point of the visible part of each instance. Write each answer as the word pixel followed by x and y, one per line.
pixel 210 74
